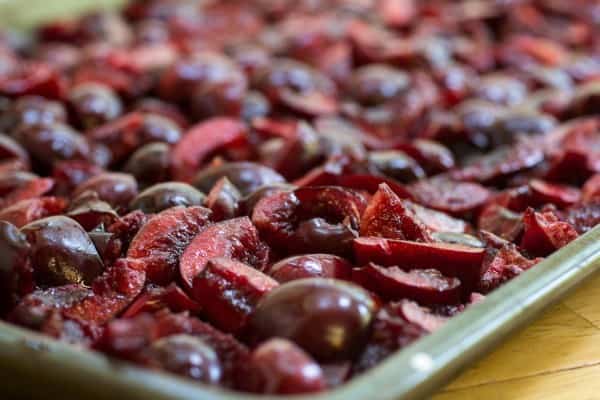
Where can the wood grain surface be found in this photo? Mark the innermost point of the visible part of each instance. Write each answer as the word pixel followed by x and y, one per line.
pixel 557 357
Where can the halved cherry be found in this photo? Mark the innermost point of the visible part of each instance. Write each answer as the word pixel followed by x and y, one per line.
pixel 421 316
pixel 453 260
pixel 223 200
pixel 35 308
pixel 560 195
pixel 126 134
pixel 500 221
pixel 128 337
pixel 26 211
pixel 310 219
pixel 111 293
pixel 386 216
pixel 163 239
pixel 544 233
pixel 155 298
pixel 281 367
pixel 426 286
pixel 502 162
pixel 332 203
pixel 122 232
pixel 436 221
pixel 505 265
pixel 228 291
pixel 201 141
pixel 310 266
pixel 32 78
pixel 456 198
pixel 236 238
pixel 90 211
pixel 34 188
pixel 391 332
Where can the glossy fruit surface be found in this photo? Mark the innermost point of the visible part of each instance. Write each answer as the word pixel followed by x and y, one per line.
pixel 327 318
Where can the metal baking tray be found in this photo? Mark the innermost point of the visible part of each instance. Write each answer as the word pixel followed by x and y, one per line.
pixel 33 366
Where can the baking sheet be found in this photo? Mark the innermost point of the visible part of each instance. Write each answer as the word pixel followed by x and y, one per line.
pixel 38 366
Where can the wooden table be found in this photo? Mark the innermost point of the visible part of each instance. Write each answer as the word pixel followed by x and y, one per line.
pixel 557 357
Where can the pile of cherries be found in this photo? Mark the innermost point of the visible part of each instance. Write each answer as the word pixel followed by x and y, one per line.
pixel 275 195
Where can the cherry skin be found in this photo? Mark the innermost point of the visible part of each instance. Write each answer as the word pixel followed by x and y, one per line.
pixel 329 319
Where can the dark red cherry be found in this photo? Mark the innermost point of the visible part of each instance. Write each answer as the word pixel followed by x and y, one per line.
pixel 280 367
pixel 397 165
pixel 246 176
pixel 207 83
pixel 14 252
pixel 94 104
pixel 378 83
pixel 149 164
pixel 310 266
pixel 166 195
pixel 62 252
pixel 48 144
pixel 185 355
pixel 117 189
pixel 32 110
pixel 329 319
pixel 228 291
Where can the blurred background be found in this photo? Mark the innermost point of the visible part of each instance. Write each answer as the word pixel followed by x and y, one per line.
pixel 26 13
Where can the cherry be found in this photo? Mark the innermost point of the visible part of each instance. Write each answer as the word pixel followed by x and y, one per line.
pixel 89 211
pixel 62 252
pixel 125 135
pixel 397 165
pixel 236 238
pixel 223 200
pixel 329 319
pixel 388 216
pixel 427 286
pixel 185 355
pixel 14 251
pixel 208 83
pixel 281 367
pixel 297 86
pixel 201 141
pixel 161 241
pixel 166 195
pixel 26 211
pixel 94 104
pixel 48 144
pixel 457 260
pixel 32 110
pixel 247 177
pixel 228 290
pixel 117 189
pixel 310 266
pixel 149 164
pixel 378 83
